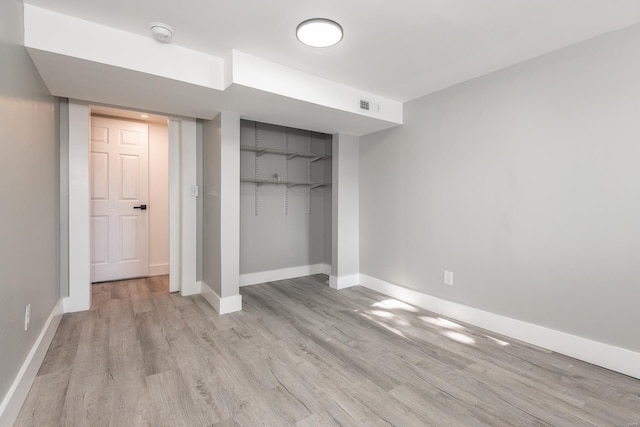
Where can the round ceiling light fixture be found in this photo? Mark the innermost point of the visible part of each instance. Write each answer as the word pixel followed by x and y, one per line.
pixel 161 32
pixel 319 32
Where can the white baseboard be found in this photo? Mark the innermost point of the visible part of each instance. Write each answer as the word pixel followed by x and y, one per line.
pixel 81 301
pixel 192 289
pixel 221 305
pixel 283 274
pixel 15 397
pixel 615 358
pixel 159 269
pixel 344 282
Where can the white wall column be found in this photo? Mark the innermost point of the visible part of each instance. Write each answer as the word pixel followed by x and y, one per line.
pixel 221 212
pixel 345 249
pixel 183 203
pixel 174 205
pixel 230 204
pixel 79 298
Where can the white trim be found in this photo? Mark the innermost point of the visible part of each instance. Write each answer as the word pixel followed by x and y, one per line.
pixel 344 282
pixel 194 289
pixel 283 274
pixel 188 207
pixel 68 305
pixel 221 305
pixel 18 391
pixel 174 204
pixel 79 298
pixel 605 355
pixel 158 269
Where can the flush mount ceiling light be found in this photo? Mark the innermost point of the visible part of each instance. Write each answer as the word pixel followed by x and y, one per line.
pixel 161 32
pixel 319 32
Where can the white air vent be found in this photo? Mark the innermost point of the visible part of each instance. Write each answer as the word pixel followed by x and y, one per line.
pixel 364 105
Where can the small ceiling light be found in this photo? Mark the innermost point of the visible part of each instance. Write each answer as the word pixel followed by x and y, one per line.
pixel 144 116
pixel 161 32
pixel 319 32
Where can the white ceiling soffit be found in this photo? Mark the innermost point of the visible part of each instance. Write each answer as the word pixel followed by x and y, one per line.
pixel 399 50
pixel 96 82
pixel 87 61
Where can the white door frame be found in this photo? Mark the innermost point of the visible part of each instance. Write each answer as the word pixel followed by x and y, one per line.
pixel 182 207
pixel 183 193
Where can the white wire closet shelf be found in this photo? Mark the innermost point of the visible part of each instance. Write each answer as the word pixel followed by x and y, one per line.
pixel 289 184
pixel 290 154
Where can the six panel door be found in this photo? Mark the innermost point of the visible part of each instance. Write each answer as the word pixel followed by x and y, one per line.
pixel 119 190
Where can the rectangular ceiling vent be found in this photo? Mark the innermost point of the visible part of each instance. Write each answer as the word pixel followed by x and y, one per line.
pixel 364 105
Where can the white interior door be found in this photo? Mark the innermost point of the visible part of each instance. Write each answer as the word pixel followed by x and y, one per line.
pixel 119 197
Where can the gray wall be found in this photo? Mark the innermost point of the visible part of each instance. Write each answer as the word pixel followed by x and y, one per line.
pixel 526 184
pixel 280 236
pixel 29 188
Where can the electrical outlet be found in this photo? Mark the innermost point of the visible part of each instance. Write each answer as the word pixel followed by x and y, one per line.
pixel 27 316
pixel 448 278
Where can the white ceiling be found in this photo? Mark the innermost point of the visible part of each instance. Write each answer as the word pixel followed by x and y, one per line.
pixel 400 50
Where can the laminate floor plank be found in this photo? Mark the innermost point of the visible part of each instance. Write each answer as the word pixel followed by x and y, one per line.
pixel 46 409
pixel 120 290
pixel 302 354
pixel 142 305
pixel 89 377
pixel 156 350
pixel 138 289
pixel 173 402
pixel 100 294
pixel 128 393
pixel 438 409
pixel 320 419
pixel 158 284
pixel 64 345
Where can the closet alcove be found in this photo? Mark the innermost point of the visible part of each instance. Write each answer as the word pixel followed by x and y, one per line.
pixel 285 202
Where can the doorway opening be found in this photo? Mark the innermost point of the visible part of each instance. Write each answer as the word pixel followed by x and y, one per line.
pixel 129 195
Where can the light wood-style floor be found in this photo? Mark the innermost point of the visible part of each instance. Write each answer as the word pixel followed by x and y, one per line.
pixel 303 354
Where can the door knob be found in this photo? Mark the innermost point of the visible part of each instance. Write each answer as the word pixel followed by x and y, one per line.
pixel 141 207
